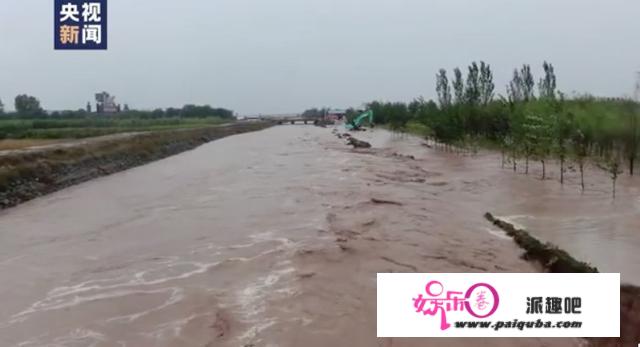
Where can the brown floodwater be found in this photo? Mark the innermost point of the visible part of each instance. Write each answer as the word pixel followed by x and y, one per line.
pixel 272 239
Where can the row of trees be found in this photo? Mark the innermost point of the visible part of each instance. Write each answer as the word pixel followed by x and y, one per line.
pixel 532 121
pixel 27 106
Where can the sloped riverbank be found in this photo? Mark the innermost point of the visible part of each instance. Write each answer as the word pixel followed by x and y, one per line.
pixel 27 174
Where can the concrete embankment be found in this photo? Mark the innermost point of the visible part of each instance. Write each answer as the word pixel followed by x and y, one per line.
pixel 27 174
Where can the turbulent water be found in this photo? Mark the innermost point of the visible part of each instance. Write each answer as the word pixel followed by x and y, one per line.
pixel 274 238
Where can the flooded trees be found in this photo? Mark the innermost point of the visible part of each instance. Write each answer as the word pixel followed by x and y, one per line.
pixel 527 83
pixel 472 90
pixel 443 89
pixel 544 145
pixel 527 123
pixel 527 148
pixel 562 128
pixel 467 109
pixel 580 150
pixel 558 124
pixel 612 164
pixel 615 171
pixel 547 84
pixel 487 87
pixel 395 114
pixel 537 143
pixel 631 137
pixel 458 86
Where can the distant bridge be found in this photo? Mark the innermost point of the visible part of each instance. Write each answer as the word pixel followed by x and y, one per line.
pixel 285 118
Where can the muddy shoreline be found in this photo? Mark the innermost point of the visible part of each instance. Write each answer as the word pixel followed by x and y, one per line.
pixel 28 174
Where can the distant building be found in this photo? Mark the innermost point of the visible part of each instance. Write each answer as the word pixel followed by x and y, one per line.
pixel 106 104
pixel 335 115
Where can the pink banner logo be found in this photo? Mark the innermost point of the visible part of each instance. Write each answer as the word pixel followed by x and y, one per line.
pixel 481 300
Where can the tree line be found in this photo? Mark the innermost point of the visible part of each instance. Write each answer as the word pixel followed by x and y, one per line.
pixel 532 121
pixel 27 106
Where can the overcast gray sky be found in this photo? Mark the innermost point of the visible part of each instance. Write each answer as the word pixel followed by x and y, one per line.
pixel 273 56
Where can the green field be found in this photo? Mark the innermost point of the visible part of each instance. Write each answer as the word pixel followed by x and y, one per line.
pixel 51 128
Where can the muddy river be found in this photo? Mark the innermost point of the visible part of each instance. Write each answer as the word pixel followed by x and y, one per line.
pixel 274 238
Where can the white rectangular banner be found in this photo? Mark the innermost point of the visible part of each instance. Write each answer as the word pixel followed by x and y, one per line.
pixel 498 305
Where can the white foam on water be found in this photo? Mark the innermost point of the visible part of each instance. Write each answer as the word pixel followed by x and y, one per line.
pixel 177 294
pixel 251 301
pixel 254 331
pixel 42 306
pixel 498 233
pixel 510 219
pixel 76 337
pixel 81 335
pixel 68 296
pixel 172 328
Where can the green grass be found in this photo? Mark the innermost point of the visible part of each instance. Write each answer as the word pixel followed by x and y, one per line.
pixel 418 129
pixel 90 127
